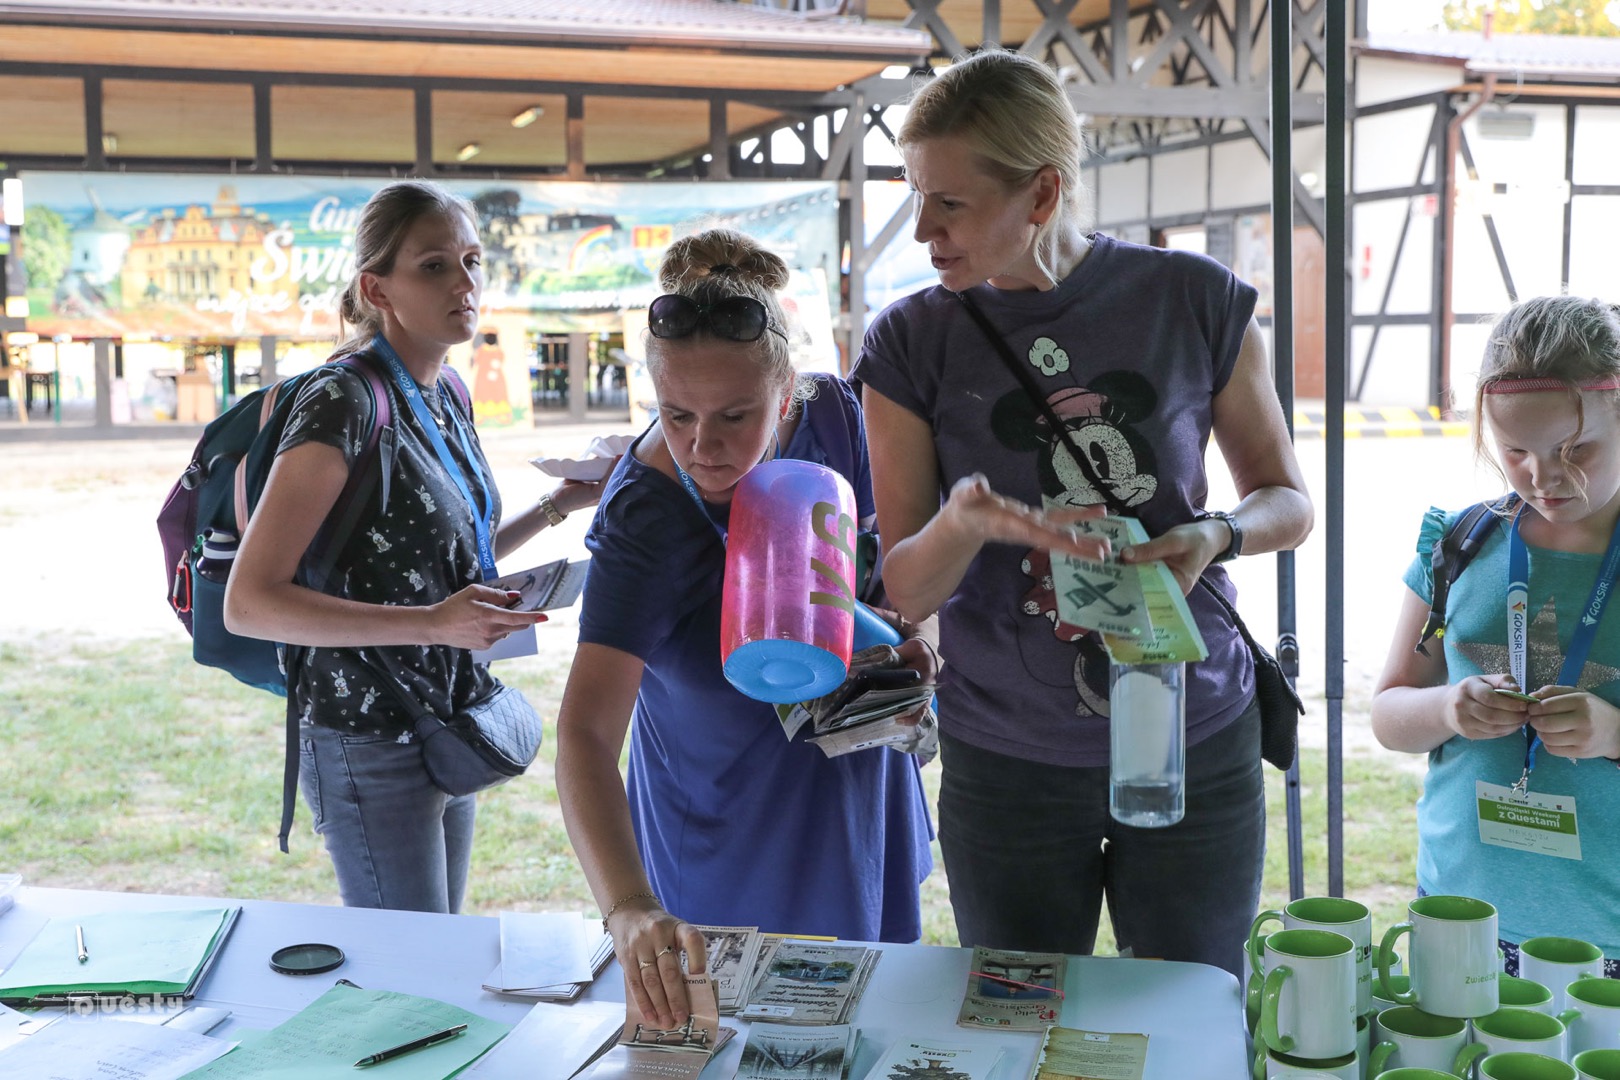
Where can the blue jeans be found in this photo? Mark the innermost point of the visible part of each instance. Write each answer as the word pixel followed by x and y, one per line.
pixel 1030 852
pixel 396 841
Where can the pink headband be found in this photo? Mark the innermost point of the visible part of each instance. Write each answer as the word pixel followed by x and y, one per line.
pixel 1532 386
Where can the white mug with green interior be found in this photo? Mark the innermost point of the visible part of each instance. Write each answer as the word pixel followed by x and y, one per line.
pixel 1451 959
pixel 1271 1065
pixel 1517 992
pixel 1308 1003
pixel 1405 1073
pixel 1251 995
pixel 1522 1031
pixel 1382 999
pixel 1555 962
pixel 1597 1064
pixel 1593 1015
pixel 1412 1038
pixel 1335 913
pixel 1521 1066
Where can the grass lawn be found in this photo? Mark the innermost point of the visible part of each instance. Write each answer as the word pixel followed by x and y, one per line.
pixel 129 767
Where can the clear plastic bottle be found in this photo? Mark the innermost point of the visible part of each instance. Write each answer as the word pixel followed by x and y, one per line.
pixel 1147 704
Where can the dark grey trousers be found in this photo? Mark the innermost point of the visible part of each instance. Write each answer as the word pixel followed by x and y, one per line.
pixel 1030 852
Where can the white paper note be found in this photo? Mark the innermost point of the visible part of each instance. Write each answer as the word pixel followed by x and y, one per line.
pixel 76 1051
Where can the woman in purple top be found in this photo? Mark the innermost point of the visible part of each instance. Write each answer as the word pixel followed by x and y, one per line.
pixel 725 821
pixel 1141 354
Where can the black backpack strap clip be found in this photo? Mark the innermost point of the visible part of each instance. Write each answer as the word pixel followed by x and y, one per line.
pixel 1452 553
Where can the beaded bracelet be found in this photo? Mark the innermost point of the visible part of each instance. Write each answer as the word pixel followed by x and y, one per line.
pixel 623 900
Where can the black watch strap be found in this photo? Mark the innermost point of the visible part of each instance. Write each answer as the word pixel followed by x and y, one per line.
pixel 1235 548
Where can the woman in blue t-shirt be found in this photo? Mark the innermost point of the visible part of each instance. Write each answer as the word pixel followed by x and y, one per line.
pixel 1517 703
pixel 725 821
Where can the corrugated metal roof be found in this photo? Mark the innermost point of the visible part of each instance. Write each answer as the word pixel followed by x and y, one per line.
pixel 707 23
pixel 1554 56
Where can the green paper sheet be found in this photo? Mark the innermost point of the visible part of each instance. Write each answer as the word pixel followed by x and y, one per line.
pixel 138 952
pixel 343 1025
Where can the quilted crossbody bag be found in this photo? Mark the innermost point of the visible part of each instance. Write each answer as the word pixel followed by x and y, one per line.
pixel 480 746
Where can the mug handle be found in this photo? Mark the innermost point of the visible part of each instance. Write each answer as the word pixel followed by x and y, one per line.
pixel 1270 996
pixel 1568 1016
pixel 1254 939
pixel 1378 1059
pixel 1260 1061
pixel 1386 949
pixel 1467 1056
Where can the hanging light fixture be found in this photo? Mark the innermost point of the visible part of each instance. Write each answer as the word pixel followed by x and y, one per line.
pixel 528 116
pixel 468 152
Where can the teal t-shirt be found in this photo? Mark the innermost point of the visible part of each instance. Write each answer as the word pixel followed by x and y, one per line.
pixel 1534 894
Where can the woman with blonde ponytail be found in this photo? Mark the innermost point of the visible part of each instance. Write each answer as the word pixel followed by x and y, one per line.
pixel 1055 372
pixel 404 606
pixel 726 822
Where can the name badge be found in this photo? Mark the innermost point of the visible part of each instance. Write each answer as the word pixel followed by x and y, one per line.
pixel 1530 822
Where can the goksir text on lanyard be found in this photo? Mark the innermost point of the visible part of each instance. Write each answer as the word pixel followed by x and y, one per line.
pixel 483 507
pixel 1580 642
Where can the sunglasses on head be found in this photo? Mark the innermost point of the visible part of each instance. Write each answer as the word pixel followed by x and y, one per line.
pixel 735 318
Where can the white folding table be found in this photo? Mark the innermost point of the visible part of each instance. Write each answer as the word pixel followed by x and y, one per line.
pixel 1192 1013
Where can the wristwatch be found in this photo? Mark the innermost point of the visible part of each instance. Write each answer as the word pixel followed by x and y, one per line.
pixel 549 508
pixel 1235 548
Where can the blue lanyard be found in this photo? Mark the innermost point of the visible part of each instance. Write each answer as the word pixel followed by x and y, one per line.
pixel 483 507
pixel 691 486
pixel 1580 642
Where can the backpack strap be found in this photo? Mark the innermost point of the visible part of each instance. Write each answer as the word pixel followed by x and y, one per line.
pixel 1452 553
pixel 452 378
pixel 371 470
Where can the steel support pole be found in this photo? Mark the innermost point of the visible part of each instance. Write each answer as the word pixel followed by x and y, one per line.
pixel 1282 358
pixel 1337 350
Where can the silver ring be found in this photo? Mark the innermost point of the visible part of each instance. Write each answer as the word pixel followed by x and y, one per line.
pixel 665 951
pixel 645 963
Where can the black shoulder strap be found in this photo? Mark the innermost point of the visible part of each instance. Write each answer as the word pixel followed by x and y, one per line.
pixel 1061 431
pixel 372 472
pixel 1452 553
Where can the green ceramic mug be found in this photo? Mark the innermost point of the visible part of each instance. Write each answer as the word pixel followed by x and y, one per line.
pixel 1452 957
pixel 1555 962
pixel 1522 1031
pixel 1270 1065
pixel 1308 1005
pixel 1348 917
pixel 1521 1066
pixel 1597 1064
pixel 1411 1038
pixel 1593 1015
pixel 1521 993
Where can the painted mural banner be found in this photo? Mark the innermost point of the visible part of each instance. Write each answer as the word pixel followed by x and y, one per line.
pixel 234 257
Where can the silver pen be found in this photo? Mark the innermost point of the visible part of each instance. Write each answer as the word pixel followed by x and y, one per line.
pixel 84 954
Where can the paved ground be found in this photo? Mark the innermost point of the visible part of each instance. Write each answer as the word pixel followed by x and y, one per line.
pixel 78 524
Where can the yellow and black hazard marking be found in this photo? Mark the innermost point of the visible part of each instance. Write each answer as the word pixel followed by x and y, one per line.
pixel 1384 422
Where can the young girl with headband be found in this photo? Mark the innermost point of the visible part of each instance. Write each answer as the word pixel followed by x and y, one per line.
pixel 1517 700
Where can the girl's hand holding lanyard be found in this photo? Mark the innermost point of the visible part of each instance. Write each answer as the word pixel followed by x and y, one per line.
pixel 1575 724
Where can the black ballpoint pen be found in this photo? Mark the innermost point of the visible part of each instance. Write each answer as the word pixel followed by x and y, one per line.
pixel 415 1044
